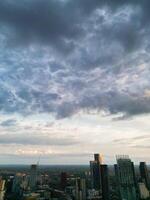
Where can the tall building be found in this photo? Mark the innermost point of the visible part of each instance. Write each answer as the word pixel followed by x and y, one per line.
pixel 2 189
pixel 135 182
pixel 116 186
pixel 144 174
pixel 33 177
pixel 104 182
pixel 99 177
pixel 95 172
pixel 144 193
pixel 80 190
pixel 95 175
pixel 125 178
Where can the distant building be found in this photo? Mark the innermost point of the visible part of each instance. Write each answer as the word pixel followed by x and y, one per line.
pixel 63 181
pixel 32 196
pixel 99 177
pixel 9 184
pixel 98 158
pixel 144 193
pixel 93 195
pixel 116 187
pixel 125 178
pixel 16 188
pixel 80 189
pixel 135 182
pixel 144 174
pixel 33 177
pixel 104 182
pixel 95 172
pixel 2 189
pixel 95 175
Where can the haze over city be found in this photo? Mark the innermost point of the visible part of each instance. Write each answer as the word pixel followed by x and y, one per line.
pixel 74 80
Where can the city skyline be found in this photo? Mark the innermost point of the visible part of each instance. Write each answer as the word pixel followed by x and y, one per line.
pixel 98 181
pixel 74 80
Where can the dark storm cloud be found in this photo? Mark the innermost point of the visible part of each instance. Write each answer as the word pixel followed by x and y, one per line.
pixel 77 55
pixel 45 21
pixel 59 23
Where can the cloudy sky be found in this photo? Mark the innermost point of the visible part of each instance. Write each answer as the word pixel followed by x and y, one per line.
pixel 74 80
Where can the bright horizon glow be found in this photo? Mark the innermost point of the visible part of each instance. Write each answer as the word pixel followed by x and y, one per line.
pixel 65 141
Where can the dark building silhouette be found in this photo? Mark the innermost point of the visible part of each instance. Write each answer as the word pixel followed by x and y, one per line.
pixel 99 176
pixel 95 172
pixel 135 182
pixel 117 188
pixel 104 182
pixel 9 185
pixel 144 174
pixel 116 172
pixel 98 158
pixel 63 180
pixel 95 175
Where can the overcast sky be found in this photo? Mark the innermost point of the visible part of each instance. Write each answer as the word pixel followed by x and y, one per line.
pixel 74 80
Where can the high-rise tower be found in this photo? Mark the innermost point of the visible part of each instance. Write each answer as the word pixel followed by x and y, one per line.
pixel 104 182
pixel 80 191
pixel 144 174
pixel 125 177
pixel 95 172
pixel 99 177
pixel 33 177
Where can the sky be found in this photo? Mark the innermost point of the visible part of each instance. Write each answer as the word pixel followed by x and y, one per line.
pixel 74 80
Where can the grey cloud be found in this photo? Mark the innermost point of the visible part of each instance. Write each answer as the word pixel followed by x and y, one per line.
pixel 128 104
pixel 42 21
pixel 132 140
pixel 9 122
pixel 99 41
pixel 59 22
pixel 33 139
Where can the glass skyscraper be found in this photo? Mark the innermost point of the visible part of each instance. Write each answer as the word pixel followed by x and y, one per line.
pixel 125 177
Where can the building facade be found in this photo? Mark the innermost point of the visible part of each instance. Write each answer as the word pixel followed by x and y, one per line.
pixel 125 178
pixel 144 174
